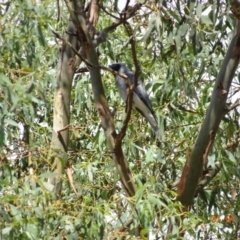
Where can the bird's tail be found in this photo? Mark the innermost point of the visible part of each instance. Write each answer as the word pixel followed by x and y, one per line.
pixel 154 124
pixel 158 135
pixel 151 118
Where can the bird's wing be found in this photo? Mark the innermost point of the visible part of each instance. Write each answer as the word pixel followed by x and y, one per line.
pixel 147 113
pixel 140 91
pixel 122 87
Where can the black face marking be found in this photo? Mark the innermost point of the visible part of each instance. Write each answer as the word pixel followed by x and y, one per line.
pixel 115 66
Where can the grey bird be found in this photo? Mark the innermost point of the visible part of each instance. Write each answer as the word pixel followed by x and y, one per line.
pixel 141 99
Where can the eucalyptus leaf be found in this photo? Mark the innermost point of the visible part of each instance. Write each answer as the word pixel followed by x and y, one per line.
pixel 48 186
pixel 6 230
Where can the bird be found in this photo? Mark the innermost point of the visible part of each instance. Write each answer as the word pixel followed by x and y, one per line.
pixel 141 101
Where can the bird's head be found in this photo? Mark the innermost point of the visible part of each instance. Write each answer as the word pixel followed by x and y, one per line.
pixel 118 67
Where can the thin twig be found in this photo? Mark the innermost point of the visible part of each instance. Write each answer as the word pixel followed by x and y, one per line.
pixel 108 13
pixel 235 105
pixel 70 177
pixel 58 11
pixel 72 48
pixel 88 63
pixel 208 177
pixel 103 34
pixel 131 88
pixel 126 5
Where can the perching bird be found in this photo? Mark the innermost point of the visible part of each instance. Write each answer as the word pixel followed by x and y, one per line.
pixel 141 99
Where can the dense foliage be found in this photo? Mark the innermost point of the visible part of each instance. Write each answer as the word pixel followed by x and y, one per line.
pixel 180 47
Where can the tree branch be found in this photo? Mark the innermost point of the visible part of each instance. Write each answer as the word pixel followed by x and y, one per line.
pixel 101 103
pixel 216 110
pixel 126 5
pixel 103 34
pixel 235 105
pixel 72 48
pixel 206 178
pixel 108 13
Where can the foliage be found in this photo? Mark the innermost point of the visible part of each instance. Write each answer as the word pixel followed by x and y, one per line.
pixel 180 48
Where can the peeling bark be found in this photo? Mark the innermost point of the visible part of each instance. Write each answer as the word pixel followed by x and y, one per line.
pixel 93 13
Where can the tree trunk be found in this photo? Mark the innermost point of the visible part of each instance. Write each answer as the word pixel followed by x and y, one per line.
pixel 61 113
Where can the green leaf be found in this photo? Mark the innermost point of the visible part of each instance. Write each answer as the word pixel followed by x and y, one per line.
pixel 211 160
pixel 183 29
pixel 11 122
pixel 90 173
pixel 101 139
pixel 69 225
pixel 156 201
pixel 50 175
pixel 4 79
pixel 48 186
pixel 14 210
pixel 39 212
pixel 199 10
pixel 6 230
pixel 32 230
pixel 186 222
pixel 231 157
pixel 178 41
pixel 206 20
pixel 2 136
pixel 144 232
pixel 151 25
pixel 40 35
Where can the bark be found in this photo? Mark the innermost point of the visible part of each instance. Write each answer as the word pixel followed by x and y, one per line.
pixel 61 113
pixel 217 108
pixel 235 7
pixel 93 13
